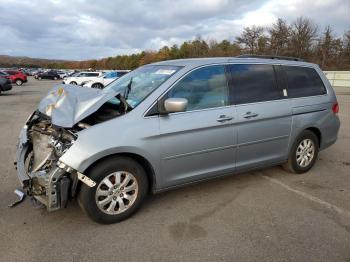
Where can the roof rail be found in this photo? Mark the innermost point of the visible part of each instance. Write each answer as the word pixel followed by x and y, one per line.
pixel 271 57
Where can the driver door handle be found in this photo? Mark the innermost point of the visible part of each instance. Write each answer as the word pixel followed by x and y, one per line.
pixel 224 118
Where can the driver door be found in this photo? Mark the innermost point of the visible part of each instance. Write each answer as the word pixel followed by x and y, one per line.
pixel 200 142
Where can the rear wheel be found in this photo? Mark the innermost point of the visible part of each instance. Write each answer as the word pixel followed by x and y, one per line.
pixel 121 187
pixel 19 82
pixel 55 78
pixel 303 154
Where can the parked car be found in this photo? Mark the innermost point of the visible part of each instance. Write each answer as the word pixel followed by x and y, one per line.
pixel 62 74
pixel 81 77
pixel 4 75
pixel 36 73
pixel 5 84
pixel 17 77
pixel 104 80
pixel 173 123
pixel 48 75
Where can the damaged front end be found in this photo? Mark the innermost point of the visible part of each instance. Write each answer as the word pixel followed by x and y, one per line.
pixel 41 144
pixel 50 131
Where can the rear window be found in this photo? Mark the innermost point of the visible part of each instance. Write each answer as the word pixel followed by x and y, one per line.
pixel 303 81
pixel 252 83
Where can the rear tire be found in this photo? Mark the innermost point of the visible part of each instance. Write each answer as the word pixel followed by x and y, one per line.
pixel 303 154
pixel 121 187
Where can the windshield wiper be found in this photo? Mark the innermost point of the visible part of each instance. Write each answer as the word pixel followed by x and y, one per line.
pixel 126 105
pixel 128 89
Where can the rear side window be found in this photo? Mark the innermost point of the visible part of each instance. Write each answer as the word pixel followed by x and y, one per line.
pixel 253 83
pixel 203 88
pixel 303 81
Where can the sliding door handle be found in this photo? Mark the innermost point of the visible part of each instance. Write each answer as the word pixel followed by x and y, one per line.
pixel 250 115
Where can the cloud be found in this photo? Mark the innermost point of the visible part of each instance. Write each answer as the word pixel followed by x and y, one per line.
pixel 87 29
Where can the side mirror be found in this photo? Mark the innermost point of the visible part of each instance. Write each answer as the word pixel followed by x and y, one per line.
pixel 173 105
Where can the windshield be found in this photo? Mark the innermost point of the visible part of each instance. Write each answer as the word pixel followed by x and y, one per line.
pixel 139 83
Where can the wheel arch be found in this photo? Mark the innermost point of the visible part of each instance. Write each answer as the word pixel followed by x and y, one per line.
pixel 317 132
pixel 138 158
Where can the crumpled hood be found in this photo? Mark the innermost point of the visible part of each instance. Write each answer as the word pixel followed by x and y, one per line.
pixel 66 105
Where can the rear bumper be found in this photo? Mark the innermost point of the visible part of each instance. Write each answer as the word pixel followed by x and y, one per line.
pixel 330 132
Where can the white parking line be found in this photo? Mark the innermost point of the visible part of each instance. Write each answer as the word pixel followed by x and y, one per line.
pixel 308 196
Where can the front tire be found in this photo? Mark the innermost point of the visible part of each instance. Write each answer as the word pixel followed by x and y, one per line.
pixel 97 86
pixel 19 82
pixel 73 83
pixel 121 187
pixel 303 154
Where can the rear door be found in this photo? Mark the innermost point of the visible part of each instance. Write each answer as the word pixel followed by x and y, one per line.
pixel 263 115
pixel 200 142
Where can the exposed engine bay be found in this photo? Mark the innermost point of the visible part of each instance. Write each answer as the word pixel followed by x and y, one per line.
pixel 42 143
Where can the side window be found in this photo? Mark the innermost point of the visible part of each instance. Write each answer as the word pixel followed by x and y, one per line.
pixel 203 88
pixel 119 74
pixel 113 75
pixel 252 83
pixel 303 81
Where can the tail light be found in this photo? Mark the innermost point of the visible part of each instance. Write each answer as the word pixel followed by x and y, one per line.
pixel 335 108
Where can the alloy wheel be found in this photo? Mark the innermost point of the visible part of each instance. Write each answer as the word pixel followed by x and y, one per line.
pixel 116 193
pixel 305 152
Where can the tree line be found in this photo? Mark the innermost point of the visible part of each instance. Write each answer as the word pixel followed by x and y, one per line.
pixel 300 38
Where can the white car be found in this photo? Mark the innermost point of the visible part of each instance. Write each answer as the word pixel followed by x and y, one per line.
pixel 81 77
pixel 107 78
pixel 62 74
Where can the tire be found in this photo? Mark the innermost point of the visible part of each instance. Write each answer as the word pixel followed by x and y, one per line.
pixel 55 78
pixel 114 198
pixel 97 86
pixel 73 83
pixel 295 164
pixel 18 82
pixel 39 78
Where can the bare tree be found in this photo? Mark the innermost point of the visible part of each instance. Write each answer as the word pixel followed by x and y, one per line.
pixel 326 43
pixel 250 38
pixel 279 36
pixel 303 35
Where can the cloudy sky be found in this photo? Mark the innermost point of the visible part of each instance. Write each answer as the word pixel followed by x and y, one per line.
pixel 84 29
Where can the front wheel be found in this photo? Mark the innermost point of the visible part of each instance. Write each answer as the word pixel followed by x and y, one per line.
pixel 303 154
pixel 121 187
pixel 19 82
pixel 97 86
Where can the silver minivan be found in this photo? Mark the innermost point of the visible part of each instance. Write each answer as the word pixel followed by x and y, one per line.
pixel 173 123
